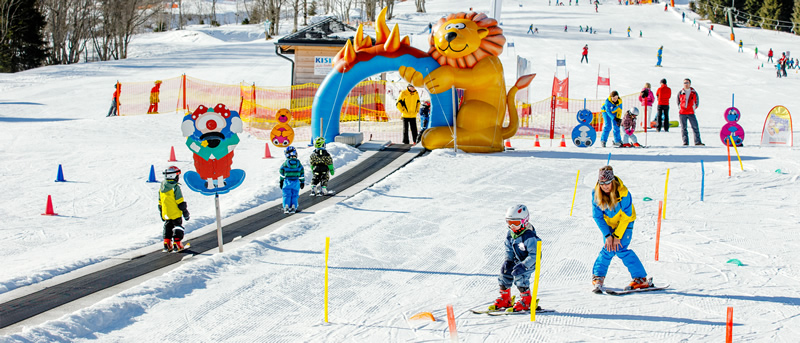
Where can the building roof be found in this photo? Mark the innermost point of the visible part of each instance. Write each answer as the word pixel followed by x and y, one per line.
pixel 321 33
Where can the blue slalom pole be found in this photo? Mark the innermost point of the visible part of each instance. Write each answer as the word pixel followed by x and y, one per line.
pixel 609 159
pixel 703 180
pixel 60 175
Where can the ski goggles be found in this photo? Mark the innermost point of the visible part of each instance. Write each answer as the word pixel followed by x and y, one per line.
pixel 606 182
pixel 514 222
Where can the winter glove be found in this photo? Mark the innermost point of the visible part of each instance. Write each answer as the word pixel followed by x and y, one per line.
pixel 160 214
pixel 507 266
pixel 519 269
pixel 302 184
pixel 186 214
pixel 330 167
pixel 281 184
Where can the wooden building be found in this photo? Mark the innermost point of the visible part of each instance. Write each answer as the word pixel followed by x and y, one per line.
pixel 314 48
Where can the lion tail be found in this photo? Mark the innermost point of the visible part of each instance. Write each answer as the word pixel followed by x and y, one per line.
pixel 513 124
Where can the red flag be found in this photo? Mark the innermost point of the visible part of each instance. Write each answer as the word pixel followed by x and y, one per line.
pixel 603 81
pixel 561 93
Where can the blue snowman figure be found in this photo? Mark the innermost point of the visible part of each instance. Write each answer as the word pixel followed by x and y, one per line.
pixel 732 128
pixel 584 134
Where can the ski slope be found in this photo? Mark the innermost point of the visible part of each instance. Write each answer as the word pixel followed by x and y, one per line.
pixel 430 234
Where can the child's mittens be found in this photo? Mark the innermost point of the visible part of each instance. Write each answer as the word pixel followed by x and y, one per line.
pixel 302 184
pixel 330 168
pixel 519 269
pixel 281 184
pixel 161 214
pixel 186 214
pixel 507 267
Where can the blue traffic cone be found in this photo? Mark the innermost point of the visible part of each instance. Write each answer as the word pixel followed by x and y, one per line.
pixel 60 176
pixel 152 174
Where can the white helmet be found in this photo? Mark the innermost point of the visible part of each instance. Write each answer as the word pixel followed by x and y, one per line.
pixel 517 217
pixel 634 111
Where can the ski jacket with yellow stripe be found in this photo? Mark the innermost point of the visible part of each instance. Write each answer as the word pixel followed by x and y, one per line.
pixel 170 200
pixel 615 220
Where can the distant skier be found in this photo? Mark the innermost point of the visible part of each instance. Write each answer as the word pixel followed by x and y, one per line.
pixel 154 99
pixel 640 33
pixel 112 112
pixel 629 128
pixel 565 28
pixel 756 55
pixel 171 207
pixel 613 211
pixel 629 31
pixel 585 54
pixel 782 62
pixel 660 50
pixel 683 16
pixel 741 45
pixel 710 29
pixel 688 101
pixel 520 261
pixel 293 179
pixel 424 118
pixel 769 56
pixel 322 167
pixel 646 99
pixel 530 29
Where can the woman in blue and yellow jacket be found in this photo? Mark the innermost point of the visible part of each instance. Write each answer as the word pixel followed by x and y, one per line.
pixel 612 115
pixel 614 214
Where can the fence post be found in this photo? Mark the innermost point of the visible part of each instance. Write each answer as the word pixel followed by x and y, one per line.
pixel 183 86
pixel 119 93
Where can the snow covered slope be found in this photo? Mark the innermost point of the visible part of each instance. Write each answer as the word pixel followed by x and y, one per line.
pixel 430 234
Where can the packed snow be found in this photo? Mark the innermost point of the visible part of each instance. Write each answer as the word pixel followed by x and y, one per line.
pixel 431 233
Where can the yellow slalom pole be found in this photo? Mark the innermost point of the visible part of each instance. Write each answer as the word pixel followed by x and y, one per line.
pixel 327 248
pixel 574 192
pixel 737 152
pixel 666 182
pixel 535 295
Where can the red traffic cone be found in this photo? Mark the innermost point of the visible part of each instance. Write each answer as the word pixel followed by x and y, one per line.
pixel 536 144
pixel 172 154
pixel 49 210
pixel 508 143
pixel 266 151
pixel 563 143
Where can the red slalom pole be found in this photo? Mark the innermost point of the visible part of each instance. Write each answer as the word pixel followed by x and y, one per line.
pixel 658 230
pixel 729 326
pixel 729 159
pixel 451 322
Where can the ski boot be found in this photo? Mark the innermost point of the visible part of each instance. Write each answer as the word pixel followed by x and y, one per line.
pixel 167 245
pixel 285 209
pixel 524 302
pixel 178 246
pixel 626 145
pixel 637 145
pixel 325 191
pixel 292 209
pixel 597 282
pixel 503 301
pixel 313 190
pixel 639 283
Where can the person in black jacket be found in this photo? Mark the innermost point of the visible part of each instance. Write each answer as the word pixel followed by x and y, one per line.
pixel 321 165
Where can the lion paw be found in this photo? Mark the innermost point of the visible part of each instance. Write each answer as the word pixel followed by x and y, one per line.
pixel 411 75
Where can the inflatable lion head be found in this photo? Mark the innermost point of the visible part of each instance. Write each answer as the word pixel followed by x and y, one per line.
pixel 462 39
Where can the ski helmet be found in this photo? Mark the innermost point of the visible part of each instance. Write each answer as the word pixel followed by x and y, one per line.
pixel 517 218
pixel 290 152
pixel 172 173
pixel 634 111
pixel 319 142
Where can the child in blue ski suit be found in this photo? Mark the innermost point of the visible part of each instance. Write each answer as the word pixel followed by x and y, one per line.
pixel 612 115
pixel 293 179
pixel 520 262
pixel 614 214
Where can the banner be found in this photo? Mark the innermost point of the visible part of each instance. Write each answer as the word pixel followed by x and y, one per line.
pixel 777 128
pixel 603 81
pixel 561 93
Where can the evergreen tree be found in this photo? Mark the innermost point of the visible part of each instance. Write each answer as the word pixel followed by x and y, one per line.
pixel 771 11
pixel 23 46
pixel 752 7
pixel 796 17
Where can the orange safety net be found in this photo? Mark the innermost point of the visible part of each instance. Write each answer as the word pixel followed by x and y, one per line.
pixel 149 97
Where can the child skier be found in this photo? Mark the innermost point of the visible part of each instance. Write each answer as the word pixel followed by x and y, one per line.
pixel 424 117
pixel 612 209
pixel 629 126
pixel 321 164
pixel 520 262
pixel 171 207
pixel 293 179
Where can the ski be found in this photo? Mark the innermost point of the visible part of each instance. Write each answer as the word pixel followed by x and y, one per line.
pixel 487 311
pixel 640 290
pixel 185 246
pixel 504 313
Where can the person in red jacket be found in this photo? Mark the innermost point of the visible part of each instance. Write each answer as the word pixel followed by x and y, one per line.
pixel 585 54
pixel 663 93
pixel 688 101
pixel 769 56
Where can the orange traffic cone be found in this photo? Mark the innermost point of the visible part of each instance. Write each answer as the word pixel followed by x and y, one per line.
pixel 508 143
pixel 536 144
pixel 49 210
pixel 563 143
pixel 172 155
pixel 266 151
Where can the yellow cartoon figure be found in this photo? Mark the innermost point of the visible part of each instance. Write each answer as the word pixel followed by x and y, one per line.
pixel 466 45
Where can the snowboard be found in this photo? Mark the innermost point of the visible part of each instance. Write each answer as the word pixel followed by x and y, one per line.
pixel 197 184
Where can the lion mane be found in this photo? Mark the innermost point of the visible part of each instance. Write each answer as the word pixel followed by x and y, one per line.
pixel 491 45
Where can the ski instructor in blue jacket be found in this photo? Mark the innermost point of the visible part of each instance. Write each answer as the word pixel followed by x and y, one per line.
pixel 612 116
pixel 612 209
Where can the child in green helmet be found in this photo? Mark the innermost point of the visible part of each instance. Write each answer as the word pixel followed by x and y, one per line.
pixel 321 165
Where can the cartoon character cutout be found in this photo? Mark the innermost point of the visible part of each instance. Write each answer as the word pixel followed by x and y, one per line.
pixel 584 134
pixel 732 116
pixel 282 134
pixel 212 136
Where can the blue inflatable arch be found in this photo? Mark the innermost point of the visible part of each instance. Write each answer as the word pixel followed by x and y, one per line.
pixel 334 89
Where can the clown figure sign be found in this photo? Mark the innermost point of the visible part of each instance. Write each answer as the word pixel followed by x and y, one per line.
pixel 211 135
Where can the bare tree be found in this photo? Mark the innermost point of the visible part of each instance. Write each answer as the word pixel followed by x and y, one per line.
pixel 118 21
pixel 420 5
pixel 370 7
pixel 271 10
pixel 68 27
pixel 8 14
pixel 295 12
pixel 213 18
pixel 342 9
